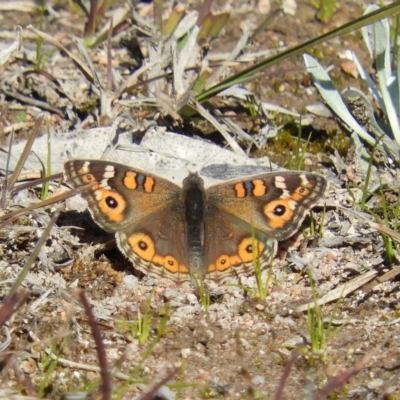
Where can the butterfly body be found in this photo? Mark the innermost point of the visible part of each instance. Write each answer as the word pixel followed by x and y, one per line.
pixel 192 231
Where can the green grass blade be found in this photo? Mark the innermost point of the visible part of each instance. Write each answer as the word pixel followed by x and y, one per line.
pixel 250 73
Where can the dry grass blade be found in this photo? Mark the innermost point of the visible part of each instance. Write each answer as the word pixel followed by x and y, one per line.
pixel 158 11
pixel 34 255
pixel 238 49
pixel 24 155
pixel 205 114
pixel 18 126
pixel 101 353
pixel 85 367
pixel 341 379
pixel 386 230
pixel 105 99
pixel 91 23
pixel 166 105
pixel 340 291
pixel 10 304
pixel 250 73
pixel 286 372
pixel 37 182
pixel 76 61
pixel 43 105
pixel 26 6
pixel 366 218
pixel 84 53
pixel 118 16
pixel 153 391
pixel 7 53
pixel 4 111
pixel 380 279
pixel 110 80
pixel 4 190
pixel 55 199
pixel 204 10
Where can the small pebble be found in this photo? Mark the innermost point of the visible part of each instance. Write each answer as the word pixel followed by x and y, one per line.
pixel 375 383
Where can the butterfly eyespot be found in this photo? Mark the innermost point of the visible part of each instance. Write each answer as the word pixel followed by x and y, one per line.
pixel 111 202
pixel 249 248
pixel 279 210
pixel 222 263
pixel 86 178
pixel 143 245
pixel 171 263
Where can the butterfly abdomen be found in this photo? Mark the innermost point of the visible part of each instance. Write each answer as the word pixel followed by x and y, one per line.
pixel 194 211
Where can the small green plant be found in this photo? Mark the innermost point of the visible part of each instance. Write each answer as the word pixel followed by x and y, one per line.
pixel 326 8
pixel 140 327
pixel 386 214
pixel 50 363
pixel 262 287
pixel 301 149
pixel 39 43
pixel 47 169
pixel 120 392
pixel 320 333
pixel 20 117
pixel 315 325
pixel 290 150
pixel 202 291
pixel 41 58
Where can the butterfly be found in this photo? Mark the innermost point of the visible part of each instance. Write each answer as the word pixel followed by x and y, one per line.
pixel 192 231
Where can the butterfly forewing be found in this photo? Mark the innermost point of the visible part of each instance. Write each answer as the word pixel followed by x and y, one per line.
pixel 272 203
pixel 120 196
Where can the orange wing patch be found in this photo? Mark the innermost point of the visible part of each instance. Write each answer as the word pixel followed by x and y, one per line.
pixel 148 184
pixel 130 180
pixel 240 190
pixel 86 178
pixel 111 203
pixel 245 254
pixel 301 192
pixel 259 188
pixel 143 246
pixel 279 212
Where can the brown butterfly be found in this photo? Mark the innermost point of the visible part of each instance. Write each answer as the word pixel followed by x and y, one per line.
pixel 179 232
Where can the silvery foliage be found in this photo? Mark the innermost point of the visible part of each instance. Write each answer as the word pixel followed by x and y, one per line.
pixel 353 107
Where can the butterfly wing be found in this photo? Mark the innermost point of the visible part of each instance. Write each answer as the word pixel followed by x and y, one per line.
pixel 145 212
pixel 231 247
pixel 121 196
pixel 246 217
pixel 157 245
pixel 274 204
